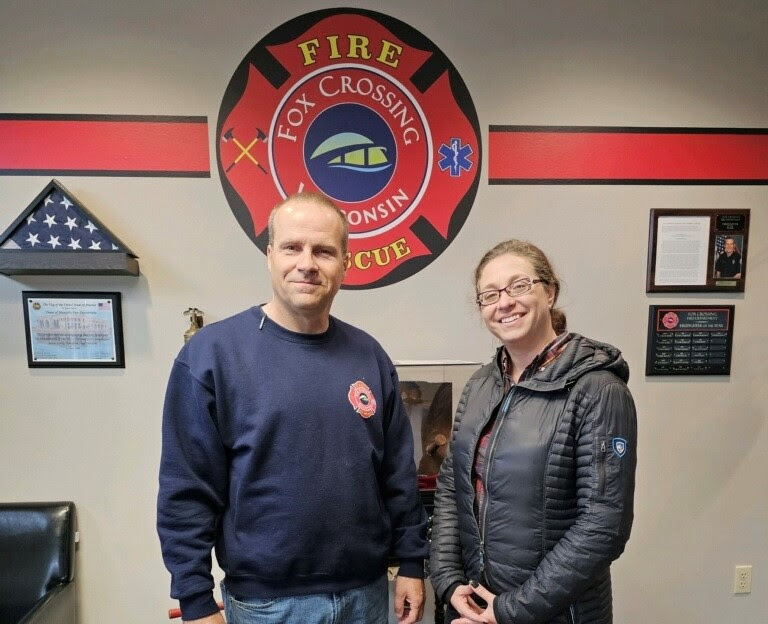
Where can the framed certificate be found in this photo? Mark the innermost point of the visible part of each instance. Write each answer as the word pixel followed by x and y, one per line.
pixel 66 329
pixel 697 250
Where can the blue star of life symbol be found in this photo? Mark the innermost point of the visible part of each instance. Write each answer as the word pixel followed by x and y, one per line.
pixel 455 157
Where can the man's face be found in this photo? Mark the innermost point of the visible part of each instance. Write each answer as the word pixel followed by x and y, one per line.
pixel 305 261
pixel 729 246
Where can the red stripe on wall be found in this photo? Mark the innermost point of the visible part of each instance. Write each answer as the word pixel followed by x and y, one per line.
pixel 104 145
pixel 530 155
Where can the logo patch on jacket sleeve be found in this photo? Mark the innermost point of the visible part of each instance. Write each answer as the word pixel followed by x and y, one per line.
pixel 619 447
pixel 362 399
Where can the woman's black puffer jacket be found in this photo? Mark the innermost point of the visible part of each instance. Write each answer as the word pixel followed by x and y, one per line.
pixel 560 480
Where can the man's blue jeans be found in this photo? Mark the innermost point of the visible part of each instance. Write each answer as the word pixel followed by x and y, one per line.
pixel 362 605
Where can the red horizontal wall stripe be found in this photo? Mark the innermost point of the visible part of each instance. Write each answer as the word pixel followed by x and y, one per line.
pixel 104 146
pixel 520 154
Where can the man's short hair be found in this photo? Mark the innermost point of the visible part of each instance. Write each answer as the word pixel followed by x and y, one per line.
pixel 310 197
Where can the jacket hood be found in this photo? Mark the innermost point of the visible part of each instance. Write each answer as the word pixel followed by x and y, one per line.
pixel 581 355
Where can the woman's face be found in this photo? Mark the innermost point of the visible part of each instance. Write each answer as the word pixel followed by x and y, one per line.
pixel 521 323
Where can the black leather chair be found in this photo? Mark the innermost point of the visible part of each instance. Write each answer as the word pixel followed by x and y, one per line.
pixel 37 563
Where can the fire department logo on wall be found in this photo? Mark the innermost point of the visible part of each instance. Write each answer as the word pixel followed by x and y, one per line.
pixel 363 108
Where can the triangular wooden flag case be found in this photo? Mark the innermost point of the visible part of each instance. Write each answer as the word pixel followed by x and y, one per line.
pixel 57 235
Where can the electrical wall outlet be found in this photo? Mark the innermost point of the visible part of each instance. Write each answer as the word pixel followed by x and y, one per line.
pixel 742 579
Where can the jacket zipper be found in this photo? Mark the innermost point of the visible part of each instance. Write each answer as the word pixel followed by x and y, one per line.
pixel 572 611
pixel 474 446
pixel 601 468
pixel 487 470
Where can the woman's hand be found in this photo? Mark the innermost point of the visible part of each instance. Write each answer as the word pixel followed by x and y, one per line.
pixel 463 601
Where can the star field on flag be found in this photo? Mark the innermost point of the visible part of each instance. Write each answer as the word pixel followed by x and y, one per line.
pixel 58 224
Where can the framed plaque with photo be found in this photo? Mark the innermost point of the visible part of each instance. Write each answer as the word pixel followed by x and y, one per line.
pixel 694 250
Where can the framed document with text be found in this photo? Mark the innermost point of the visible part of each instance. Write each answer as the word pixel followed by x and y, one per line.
pixel 73 329
pixel 695 250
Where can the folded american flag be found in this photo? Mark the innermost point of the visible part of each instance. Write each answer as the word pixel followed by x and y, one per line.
pixel 59 224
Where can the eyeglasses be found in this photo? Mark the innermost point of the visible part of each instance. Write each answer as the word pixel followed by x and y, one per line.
pixel 515 289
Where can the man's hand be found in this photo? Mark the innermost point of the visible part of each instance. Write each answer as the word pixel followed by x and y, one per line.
pixel 409 599
pixel 215 618
pixel 468 609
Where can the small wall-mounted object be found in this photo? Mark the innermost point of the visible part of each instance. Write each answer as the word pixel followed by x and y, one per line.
pixel 195 322
pixel 58 235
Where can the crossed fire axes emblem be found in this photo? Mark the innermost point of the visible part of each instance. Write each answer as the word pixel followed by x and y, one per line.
pixel 229 135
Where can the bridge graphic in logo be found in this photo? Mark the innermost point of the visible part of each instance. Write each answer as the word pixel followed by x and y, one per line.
pixel 345 163
pixel 355 152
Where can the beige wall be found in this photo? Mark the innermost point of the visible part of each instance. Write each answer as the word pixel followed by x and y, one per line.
pixel 93 435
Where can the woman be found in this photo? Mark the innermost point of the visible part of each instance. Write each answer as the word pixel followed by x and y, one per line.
pixel 534 499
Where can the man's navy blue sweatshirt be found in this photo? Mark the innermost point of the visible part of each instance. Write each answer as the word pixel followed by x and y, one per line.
pixel 292 455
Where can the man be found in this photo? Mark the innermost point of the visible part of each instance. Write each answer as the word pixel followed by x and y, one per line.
pixel 729 262
pixel 286 446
